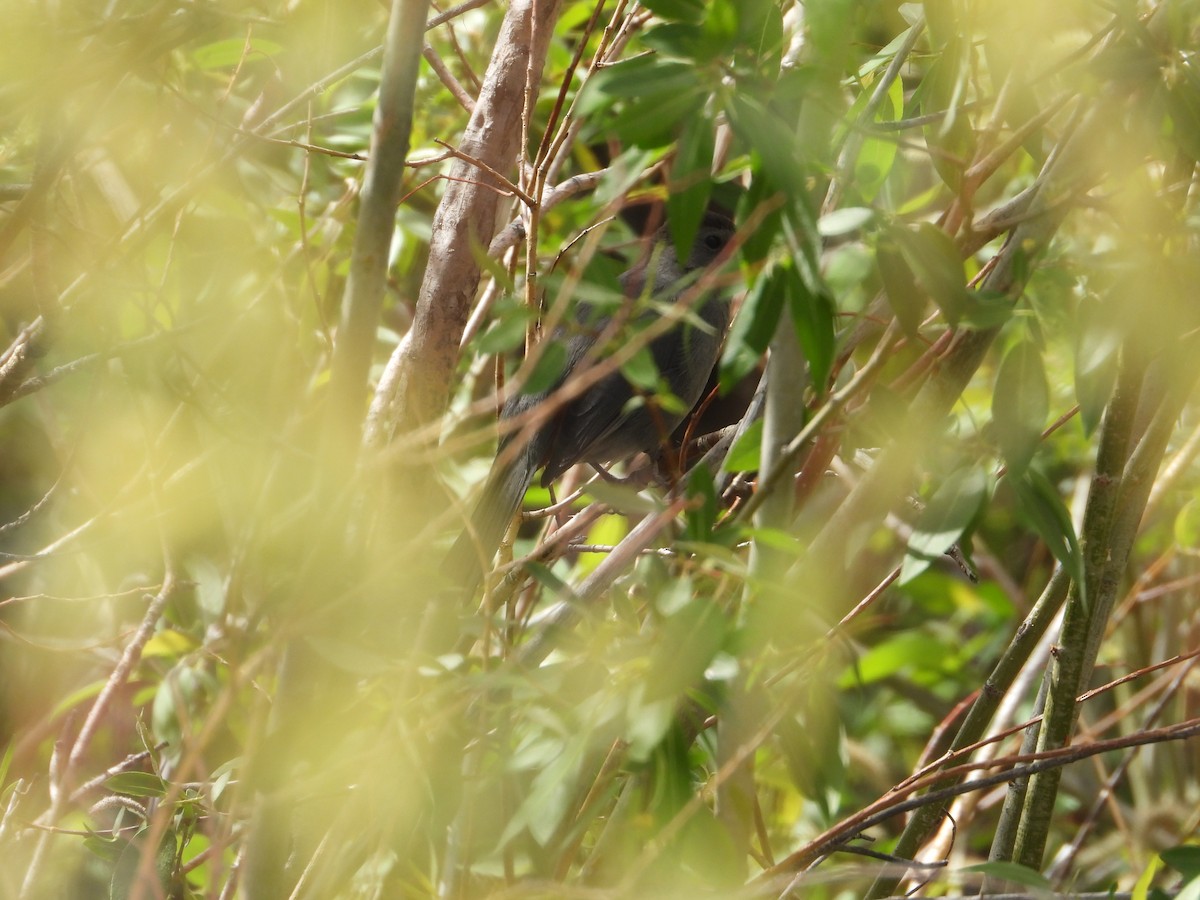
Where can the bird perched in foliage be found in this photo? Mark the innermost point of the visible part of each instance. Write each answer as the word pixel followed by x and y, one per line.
pixel 603 424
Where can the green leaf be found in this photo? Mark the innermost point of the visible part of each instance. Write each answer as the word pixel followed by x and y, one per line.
pixel 942 522
pixel 5 762
pixel 1187 526
pixel 943 92
pixel 702 517
pixel 1098 342
pixel 844 221
pixel 938 266
pixel 640 370
pixel 905 298
pixel 746 452
pixel 910 651
pixel 1184 859
pixel 126 869
pixel 623 498
pixel 656 95
pixel 637 78
pixel 752 329
pixel 720 27
pixel 678 10
pixel 878 154
pixel 773 141
pixel 675 39
pixel 506 333
pixel 1020 404
pixel 1014 872
pixel 760 33
pixel 1041 507
pixel 762 194
pixel 690 185
pixel 1141 887
pixel 227 54
pixel 813 317
pixel 651 121
pixel 137 784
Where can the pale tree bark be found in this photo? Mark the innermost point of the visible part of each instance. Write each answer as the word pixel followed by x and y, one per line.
pixel 415 386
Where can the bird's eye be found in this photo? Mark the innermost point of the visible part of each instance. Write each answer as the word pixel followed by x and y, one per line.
pixel 713 241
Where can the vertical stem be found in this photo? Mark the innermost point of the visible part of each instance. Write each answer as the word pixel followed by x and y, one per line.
pixel 1110 526
pixel 363 298
pixel 783 417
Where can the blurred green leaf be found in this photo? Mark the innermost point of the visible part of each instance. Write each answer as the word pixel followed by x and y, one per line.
pixel 702 516
pixel 505 334
pixel 690 185
pixel 937 264
pixel 679 10
pixel 676 39
pixel 844 221
pixel 878 152
pixel 905 299
pixel 721 21
pixel 1020 404
pixel 942 522
pixel 1013 872
pixel 773 141
pixel 1184 859
pixel 1187 525
pixel 640 370
pixel 548 369
pixel 1097 342
pixel 762 195
pixel 813 317
pixel 227 54
pixel 903 653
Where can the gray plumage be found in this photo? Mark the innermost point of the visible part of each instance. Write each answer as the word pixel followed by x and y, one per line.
pixel 598 426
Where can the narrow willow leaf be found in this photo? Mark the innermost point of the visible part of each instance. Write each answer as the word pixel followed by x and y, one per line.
pixel 1020 404
pixel 1013 872
pixel 905 298
pixel 702 516
pixel 1039 505
pixel 753 328
pixel 1096 348
pixel 937 265
pixel 813 317
pixel 690 185
pixel 878 154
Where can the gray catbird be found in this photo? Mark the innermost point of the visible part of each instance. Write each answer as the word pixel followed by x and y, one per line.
pixel 601 425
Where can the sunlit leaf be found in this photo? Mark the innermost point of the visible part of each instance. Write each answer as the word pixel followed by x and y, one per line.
pixel 746 453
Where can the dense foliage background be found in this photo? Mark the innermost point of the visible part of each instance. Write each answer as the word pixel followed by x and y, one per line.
pixel 233 662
